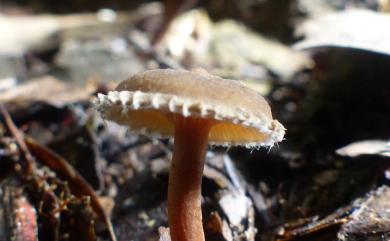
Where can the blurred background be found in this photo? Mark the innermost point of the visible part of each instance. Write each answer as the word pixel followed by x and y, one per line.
pixel 323 65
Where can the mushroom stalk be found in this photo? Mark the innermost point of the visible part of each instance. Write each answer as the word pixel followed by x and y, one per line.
pixel 185 180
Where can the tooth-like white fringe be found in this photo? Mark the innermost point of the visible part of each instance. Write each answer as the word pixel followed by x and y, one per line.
pixel 128 100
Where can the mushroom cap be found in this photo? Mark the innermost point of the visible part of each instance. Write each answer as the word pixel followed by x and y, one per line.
pixel 145 102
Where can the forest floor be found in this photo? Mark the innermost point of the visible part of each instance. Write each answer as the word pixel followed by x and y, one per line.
pixel 323 66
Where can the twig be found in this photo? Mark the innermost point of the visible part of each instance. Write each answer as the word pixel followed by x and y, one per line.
pixel 19 138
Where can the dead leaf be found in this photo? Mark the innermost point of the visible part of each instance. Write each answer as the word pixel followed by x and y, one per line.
pixel 235 46
pixel 367 147
pixel 21 34
pixel 371 220
pixel 47 89
pixel 359 29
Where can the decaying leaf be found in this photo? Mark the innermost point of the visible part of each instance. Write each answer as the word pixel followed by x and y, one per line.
pixel 371 220
pixel 360 29
pixel 22 34
pixel 236 46
pixel 47 89
pixel 232 48
pixel 366 219
pixel 367 147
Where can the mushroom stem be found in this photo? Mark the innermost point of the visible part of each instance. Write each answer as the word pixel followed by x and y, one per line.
pixel 185 178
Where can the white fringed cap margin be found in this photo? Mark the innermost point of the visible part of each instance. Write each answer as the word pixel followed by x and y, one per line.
pixel 145 101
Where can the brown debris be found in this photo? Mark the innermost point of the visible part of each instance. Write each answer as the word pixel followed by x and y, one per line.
pixel 219 226
pixel 307 188
pixel 215 223
pixel 51 204
pixel 19 215
pixel 76 182
pixel 370 221
pixel 365 219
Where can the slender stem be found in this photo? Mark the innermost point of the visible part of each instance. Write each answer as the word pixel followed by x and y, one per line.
pixel 185 180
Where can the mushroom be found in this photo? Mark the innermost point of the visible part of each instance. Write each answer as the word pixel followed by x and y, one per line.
pixel 196 108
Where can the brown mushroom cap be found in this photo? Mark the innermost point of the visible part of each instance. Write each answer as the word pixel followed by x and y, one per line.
pixel 145 102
